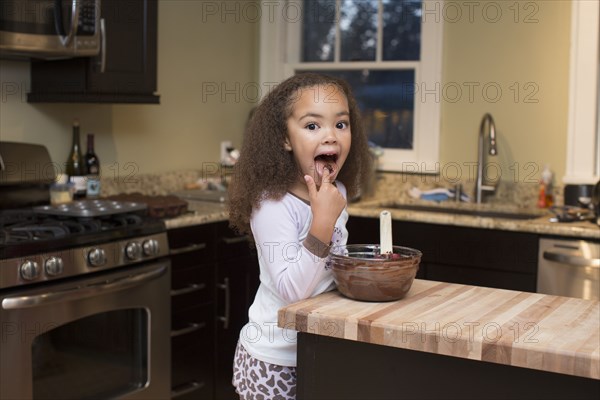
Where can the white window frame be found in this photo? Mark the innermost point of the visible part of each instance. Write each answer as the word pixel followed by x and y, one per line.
pixel 280 38
pixel 583 147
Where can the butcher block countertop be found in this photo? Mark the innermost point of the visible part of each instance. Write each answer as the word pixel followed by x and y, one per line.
pixel 530 330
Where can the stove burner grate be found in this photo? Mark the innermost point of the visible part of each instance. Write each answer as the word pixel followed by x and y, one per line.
pixel 16 228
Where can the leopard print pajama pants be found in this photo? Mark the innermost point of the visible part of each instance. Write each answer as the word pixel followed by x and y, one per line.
pixel 258 380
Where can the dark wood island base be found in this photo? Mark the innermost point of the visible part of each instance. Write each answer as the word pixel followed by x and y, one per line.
pixel 332 368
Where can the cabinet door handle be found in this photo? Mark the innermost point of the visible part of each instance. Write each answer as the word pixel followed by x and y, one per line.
pixel 225 287
pixel 186 388
pixel 194 287
pixel 192 327
pixel 188 249
pixel 235 240
pixel 102 45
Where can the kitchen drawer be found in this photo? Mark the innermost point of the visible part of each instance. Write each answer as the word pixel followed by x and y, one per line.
pixel 192 243
pixel 232 245
pixel 193 391
pixel 192 285
pixel 190 315
pixel 192 353
pixel 191 258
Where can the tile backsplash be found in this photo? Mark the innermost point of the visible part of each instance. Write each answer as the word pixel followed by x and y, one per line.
pixel 385 185
pixel 397 186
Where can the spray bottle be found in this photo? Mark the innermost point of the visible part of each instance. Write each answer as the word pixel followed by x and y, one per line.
pixel 545 197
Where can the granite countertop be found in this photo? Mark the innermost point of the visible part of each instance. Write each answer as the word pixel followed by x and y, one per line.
pixel 530 330
pixel 202 212
pixel 199 212
pixel 536 221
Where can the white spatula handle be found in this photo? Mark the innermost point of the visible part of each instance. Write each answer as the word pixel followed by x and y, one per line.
pixel 385 231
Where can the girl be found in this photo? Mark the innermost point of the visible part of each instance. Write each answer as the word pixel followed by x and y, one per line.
pixel 303 153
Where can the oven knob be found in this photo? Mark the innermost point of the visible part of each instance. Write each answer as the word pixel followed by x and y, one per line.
pixel 53 266
pixel 97 257
pixel 29 270
pixel 133 251
pixel 151 247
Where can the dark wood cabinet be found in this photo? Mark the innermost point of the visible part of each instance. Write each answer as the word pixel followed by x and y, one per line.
pixel 332 368
pixel 237 282
pixel 473 256
pixel 214 280
pixel 193 265
pixel 124 72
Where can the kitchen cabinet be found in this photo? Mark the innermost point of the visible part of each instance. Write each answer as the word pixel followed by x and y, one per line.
pixel 473 256
pixel 193 265
pixel 447 341
pixel 214 279
pixel 333 368
pixel 125 70
pixel 237 282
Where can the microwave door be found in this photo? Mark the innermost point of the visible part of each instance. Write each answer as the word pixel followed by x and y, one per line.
pixel 49 29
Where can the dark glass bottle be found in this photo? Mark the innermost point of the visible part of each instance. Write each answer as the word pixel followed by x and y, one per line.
pixel 92 166
pixel 75 168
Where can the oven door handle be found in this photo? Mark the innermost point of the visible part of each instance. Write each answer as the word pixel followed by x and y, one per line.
pixel 77 293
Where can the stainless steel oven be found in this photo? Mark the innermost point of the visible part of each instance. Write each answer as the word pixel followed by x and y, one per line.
pixel 84 291
pixel 100 337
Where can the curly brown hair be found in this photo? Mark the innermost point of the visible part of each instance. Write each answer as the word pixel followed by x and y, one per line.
pixel 265 170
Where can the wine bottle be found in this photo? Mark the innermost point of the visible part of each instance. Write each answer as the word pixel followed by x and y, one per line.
pixel 92 168
pixel 75 168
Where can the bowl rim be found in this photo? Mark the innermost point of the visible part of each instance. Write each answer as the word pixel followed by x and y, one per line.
pixel 412 252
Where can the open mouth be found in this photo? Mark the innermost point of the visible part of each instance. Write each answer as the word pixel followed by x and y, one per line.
pixel 326 161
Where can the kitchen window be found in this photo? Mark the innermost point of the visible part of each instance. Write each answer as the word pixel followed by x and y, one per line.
pixel 390 53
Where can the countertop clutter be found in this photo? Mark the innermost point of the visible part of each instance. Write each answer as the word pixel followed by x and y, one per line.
pixel 529 330
pixel 487 216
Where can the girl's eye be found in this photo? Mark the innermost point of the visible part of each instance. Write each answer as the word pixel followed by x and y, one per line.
pixel 311 127
pixel 341 125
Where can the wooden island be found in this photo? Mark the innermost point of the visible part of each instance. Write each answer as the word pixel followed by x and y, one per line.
pixel 447 340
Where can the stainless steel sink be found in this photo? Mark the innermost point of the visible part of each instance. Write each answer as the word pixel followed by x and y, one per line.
pixel 464 211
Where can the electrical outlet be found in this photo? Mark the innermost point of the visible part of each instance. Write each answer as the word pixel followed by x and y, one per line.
pixel 224 153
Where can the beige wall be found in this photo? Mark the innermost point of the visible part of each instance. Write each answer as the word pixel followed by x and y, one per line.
pixel 196 51
pixel 531 123
pixel 185 129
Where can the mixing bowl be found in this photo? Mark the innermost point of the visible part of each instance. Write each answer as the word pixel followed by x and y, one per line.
pixel 361 272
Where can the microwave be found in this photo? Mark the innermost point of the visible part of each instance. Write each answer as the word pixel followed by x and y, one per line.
pixel 50 29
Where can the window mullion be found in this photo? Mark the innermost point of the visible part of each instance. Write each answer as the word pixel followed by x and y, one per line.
pixel 379 47
pixel 338 39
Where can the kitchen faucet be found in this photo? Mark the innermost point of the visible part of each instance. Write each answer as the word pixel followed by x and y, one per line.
pixel 480 186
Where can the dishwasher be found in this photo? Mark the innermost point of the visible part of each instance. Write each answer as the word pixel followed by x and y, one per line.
pixel 569 268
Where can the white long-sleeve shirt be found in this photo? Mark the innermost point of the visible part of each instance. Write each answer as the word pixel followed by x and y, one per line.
pixel 293 266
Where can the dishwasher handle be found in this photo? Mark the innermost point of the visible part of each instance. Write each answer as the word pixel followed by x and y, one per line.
pixel 572 260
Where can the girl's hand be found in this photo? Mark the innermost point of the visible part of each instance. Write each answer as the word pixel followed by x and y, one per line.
pixel 326 203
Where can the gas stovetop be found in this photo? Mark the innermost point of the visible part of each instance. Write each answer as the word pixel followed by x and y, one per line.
pixel 38 245
pixel 28 231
